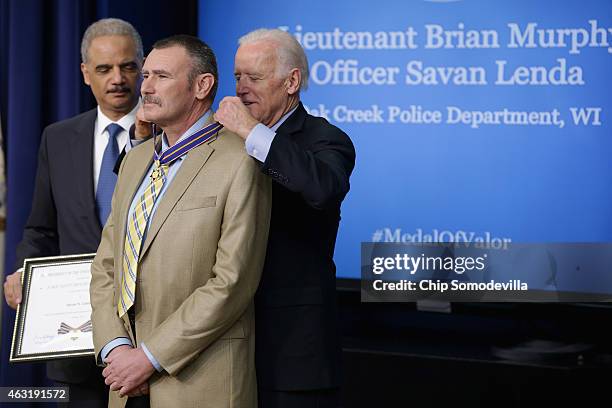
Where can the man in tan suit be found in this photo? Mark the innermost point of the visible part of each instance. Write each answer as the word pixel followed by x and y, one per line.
pixel 181 255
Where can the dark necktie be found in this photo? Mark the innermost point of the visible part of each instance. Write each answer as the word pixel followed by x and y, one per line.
pixel 107 178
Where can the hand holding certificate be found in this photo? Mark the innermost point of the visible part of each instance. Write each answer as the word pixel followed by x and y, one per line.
pixel 54 317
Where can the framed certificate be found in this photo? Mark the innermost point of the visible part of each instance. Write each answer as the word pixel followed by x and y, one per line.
pixel 54 317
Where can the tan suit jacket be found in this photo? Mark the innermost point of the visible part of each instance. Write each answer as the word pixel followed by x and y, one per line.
pixel 199 269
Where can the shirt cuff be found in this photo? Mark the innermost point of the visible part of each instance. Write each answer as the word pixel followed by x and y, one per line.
pixel 119 341
pixel 152 359
pixel 258 142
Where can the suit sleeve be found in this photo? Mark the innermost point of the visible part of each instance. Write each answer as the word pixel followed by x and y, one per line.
pixel 40 236
pixel 216 306
pixel 319 172
pixel 107 325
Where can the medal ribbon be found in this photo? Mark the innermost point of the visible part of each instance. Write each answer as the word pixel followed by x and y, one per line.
pixel 190 142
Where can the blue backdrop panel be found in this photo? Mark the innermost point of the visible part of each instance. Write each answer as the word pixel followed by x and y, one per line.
pixel 376 68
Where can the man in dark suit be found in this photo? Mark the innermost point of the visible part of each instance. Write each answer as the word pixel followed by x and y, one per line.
pixel 75 179
pixel 297 341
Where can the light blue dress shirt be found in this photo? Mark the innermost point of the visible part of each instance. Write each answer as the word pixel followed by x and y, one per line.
pixel 260 139
pixel 174 167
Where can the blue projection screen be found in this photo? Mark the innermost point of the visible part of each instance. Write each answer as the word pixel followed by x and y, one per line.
pixel 474 120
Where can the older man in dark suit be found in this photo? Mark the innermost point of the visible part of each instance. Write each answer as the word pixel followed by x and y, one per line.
pixel 310 161
pixel 75 178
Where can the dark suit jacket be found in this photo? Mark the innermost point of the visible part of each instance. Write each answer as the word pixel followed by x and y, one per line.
pixel 297 335
pixel 63 219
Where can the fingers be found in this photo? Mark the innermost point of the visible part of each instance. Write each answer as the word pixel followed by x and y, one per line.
pixel 230 105
pixel 135 393
pixel 129 371
pixel 116 386
pixel 15 283
pixel 127 389
pixel 111 378
pixel 107 370
pixel 222 114
pixel 235 116
pixel 110 372
pixel 230 100
pixel 142 389
pixel 140 114
pixel 142 128
pixel 116 352
pixel 12 289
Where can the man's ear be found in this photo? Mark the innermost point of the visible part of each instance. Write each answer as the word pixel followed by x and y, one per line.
pixel 85 73
pixel 204 84
pixel 292 83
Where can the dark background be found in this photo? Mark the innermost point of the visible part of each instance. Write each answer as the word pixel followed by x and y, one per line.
pixel 395 355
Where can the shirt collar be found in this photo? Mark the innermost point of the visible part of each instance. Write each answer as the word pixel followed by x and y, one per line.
pixel 284 118
pixel 194 128
pixel 125 122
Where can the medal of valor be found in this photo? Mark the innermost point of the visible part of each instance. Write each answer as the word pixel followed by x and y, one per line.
pixel 156 171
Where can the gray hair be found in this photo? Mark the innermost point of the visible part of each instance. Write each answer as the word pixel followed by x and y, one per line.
pixel 110 26
pixel 289 52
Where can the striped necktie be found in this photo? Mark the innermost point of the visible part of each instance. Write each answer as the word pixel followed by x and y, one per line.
pixel 135 231
pixel 139 220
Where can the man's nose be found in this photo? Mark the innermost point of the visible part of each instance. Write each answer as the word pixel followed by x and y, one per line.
pixel 118 77
pixel 241 87
pixel 147 86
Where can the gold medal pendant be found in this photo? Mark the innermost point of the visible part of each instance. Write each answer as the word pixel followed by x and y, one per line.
pixel 156 171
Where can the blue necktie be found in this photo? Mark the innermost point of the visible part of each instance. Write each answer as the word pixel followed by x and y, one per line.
pixel 108 179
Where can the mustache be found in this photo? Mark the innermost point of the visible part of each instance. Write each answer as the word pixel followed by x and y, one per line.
pixel 151 99
pixel 118 89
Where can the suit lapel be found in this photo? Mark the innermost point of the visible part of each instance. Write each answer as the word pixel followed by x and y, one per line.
pixel 190 168
pixel 81 151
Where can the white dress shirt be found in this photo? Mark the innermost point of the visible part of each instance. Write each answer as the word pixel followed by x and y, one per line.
pixel 101 138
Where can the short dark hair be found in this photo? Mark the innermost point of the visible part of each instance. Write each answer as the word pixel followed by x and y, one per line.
pixel 202 56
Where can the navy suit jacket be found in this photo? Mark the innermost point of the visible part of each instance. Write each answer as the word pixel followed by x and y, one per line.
pixel 297 335
pixel 63 219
